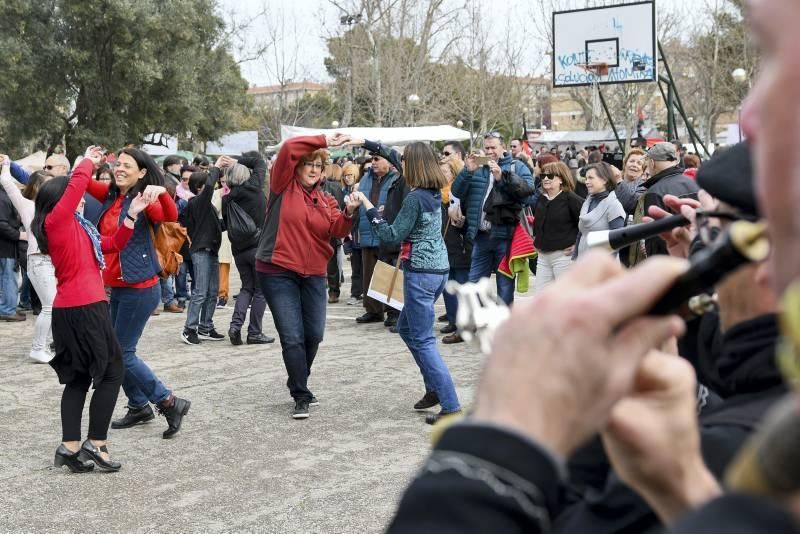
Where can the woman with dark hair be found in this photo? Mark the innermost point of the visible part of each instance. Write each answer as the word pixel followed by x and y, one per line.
pixel 132 275
pixel 555 224
pixel 418 227
pixel 293 253
pixel 40 267
pixel 601 210
pixel 86 348
pixel 104 174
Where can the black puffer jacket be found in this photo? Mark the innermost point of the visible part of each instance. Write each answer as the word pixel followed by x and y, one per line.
pixel 250 197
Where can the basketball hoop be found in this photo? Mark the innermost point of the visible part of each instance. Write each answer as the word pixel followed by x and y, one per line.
pixel 598 70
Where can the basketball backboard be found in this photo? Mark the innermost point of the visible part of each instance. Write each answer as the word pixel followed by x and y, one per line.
pixel 621 37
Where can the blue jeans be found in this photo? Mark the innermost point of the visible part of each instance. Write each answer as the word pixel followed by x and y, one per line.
pixel 167 292
pixel 415 325
pixel 487 253
pixel 451 301
pixel 130 310
pixel 200 314
pixel 8 287
pixel 298 307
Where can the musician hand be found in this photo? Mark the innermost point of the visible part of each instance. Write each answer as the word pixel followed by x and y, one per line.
pixel 678 240
pixel 554 356
pixel 652 438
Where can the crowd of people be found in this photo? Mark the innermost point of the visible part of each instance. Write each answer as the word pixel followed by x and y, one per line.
pixel 450 214
pixel 590 416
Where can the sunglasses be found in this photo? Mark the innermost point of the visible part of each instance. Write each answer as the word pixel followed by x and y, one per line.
pixel 445 153
pixel 376 158
pixel 51 167
pixel 549 176
pixel 493 135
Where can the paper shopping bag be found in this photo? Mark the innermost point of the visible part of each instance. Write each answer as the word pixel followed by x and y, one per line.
pixel 386 285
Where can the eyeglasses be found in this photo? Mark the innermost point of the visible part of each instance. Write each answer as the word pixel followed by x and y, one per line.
pixel 376 158
pixel 314 165
pixel 709 230
pixel 349 176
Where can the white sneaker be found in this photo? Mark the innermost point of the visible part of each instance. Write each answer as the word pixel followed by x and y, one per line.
pixel 41 356
pixel 352 301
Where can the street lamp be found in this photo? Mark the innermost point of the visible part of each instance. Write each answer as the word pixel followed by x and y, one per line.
pixel 459 123
pixel 334 124
pixel 740 76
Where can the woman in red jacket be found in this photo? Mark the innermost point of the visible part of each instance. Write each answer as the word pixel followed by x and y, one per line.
pixel 132 275
pixel 293 253
pixel 86 347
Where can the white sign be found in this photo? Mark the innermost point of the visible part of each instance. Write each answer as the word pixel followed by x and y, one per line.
pixel 233 144
pixel 623 37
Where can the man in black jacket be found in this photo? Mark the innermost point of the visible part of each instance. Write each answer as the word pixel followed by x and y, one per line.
pixel 10 236
pixel 204 226
pixel 666 178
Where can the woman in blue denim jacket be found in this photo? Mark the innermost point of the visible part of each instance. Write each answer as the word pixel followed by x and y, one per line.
pixel 418 227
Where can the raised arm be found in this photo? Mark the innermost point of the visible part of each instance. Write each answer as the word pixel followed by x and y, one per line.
pixel 19 174
pixel 460 186
pixel 289 156
pixel 259 167
pixel 23 206
pixel 64 210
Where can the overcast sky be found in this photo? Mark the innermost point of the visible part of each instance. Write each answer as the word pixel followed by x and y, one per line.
pixel 316 19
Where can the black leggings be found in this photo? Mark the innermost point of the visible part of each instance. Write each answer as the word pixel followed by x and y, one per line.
pixel 104 399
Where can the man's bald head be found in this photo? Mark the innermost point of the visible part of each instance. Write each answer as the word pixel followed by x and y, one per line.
pixel 57 165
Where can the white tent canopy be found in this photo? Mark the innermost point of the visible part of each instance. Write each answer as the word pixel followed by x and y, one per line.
pixel 583 136
pixel 33 162
pixel 387 136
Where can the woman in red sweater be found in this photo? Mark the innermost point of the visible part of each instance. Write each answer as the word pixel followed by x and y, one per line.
pixel 132 275
pixel 86 348
pixel 293 253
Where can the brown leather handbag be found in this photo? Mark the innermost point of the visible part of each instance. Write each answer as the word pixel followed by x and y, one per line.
pixel 168 241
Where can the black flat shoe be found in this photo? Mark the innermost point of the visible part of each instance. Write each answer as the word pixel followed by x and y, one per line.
pixel 443 319
pixel 64 456
pixel 370 318
pixel 448 329
pixel 90 451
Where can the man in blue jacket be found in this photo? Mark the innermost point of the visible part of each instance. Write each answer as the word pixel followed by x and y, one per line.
pixel 375 186
pixel 473 186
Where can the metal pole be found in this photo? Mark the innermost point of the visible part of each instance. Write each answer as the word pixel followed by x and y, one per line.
pixel 692 133
pixel 671 129
pixel 608 115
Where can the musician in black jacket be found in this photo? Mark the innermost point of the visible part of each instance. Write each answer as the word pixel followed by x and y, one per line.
pixel 246 180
